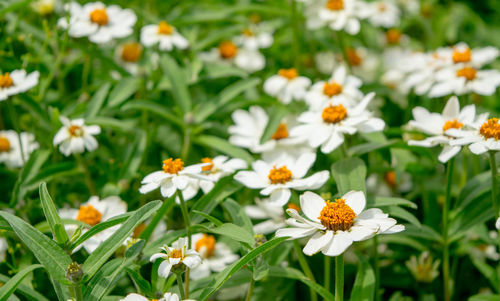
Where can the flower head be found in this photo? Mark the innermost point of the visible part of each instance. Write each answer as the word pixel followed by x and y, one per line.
pixel 287 85
pixel 74 137
pixel 176 258
pixel 10 150
pixel 217 168
pixel 17 81
pixel 164 35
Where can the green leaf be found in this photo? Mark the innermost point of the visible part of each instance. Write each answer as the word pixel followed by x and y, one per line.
pixel 422 232
pixel 26 291
pixel 140 282
pixel 487 270
pixel 364 284
pixel 121 92
pixel 48 253
pixel 230 230
pixel 291 273
pixel 275 117
pixel 122 125
pixel 238 215
pixel 153 107
pixel 349 174
pixel 8 288
pixel 390 201
pixel 402 213
pixel 135 249
pixel 30 170
pixel 50 212
pixel 178 82
pixel 108 247
pixel 208 217
pixel 484 297
pixel 97 100
pixel 223 146
pixel 165 207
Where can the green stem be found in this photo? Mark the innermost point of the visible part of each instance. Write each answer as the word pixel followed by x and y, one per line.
pixel 250 290
pixel 494 194
pixel 186 279
pixel 295 31
pixel 181 286
pixel 377 268
pixel 187 143
pixel 88 176
pixel 339 277
pixel 339 35
pixel 75 291
pixel 446 255
pixel 305 267
pixel 15 123
pixel 327 262
pixel 185 215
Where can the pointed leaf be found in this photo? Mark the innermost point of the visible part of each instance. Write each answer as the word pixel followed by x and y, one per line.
pixel 10 286
pixel 50 212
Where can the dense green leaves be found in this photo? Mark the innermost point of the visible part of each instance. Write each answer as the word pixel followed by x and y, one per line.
pixel 177 80
pixel 8 288
pixel 364 284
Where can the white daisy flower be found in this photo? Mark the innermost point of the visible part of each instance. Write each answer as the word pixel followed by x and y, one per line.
pixel 364 63
pixel 93 212
pixel 273 216
pixel 497 224
pixel 10 150
pixel 163 34
pixel 462 54
pixel 217 168
pixel 330 124
pixel 334 226
pixel 74 136
pixel 436 125
pixel 278 177
pixel 254 39
pixel 228 53
pixel 177 257
pixel 128 56
pixel 463 80
pixel 17 81
pixel 287 85
pixel 215 256
pixel 484 136
pixel 383 13
pixel 98 22
pixel 341 15
pixel 3 248
pixel 166 297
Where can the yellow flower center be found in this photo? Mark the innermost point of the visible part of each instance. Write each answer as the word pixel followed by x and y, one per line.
pixel 172 166
pixel 393 36
pixel 337 216
pixel 165 28
pixel 332 89
pixel 247 32
pixel 390 178
pixel 461 56
pixel 490 129
pixel 88 214
pixel 138 230
pixel 467 72
pixel 280 175
pixel 6 80
pixel 227 49
pixel 99 16
pixel 131 52
pixel 255 18
pixel 353 57
pixel 4 144
pixel 205 246
pixel 293 206
pixel 334 114
pixel 281 132
pixel 452 124
pixel 289 73
pixel 335 4
pixel 176 253
pixel 75 131
pixel 381 7
pixel 208 167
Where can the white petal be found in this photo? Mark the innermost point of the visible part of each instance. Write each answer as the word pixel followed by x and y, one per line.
pixel 317 242
pixel 356 200
pixel 312 204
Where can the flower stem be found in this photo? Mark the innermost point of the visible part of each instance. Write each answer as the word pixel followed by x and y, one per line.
pixel 185 215
pixel 295 31
pixel 305 267
pixel 181 286
pixel 339 277
pixel 446 255
pixel 88 177
pixel 339 35
pixel 327 263
pixel 494 192
pixel 186 144
pixel 75 291
pixel 186 279
pixel 377 268
pixel 250 290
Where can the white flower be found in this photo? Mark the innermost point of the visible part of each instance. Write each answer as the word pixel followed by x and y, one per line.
pixel 163 34
pixel 272 214
pixel 177 256
pixel 166 297
pixel 497 224
pixel 10 150
pixel 463 80
pixel 339 15
pixel 74 136
pixel 326 61
pixel 216 256
pixel 254 39
pixel 287 85
pixel 464 56
pixel 436 125
pixel 484 136
pixel 383 13
pixel 98 22
pixel 278 177
pixel 3 248
pixel 334 226
pixel 228 53
pixel 330 124
pixel 92 213
pixel 218 168
pixel 128 56
pixel 43 7
pixel 173 177
pixel 17 81
pixel 364 63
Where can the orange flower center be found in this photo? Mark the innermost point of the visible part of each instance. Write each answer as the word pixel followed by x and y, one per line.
pixel 490 129
pixel 88 214
pixel 381 7
pixel 227 49
pixel 6 80
pixel 353 57
pixel 390 178
pixel 138 230
pixel 172 166
pixel 393 36
pixel 281 132
pixel 176 253
pixel 293 206
pixel 337 216
pixel 335 4
pixel 289 73
pixel 280 175
pixel 4 144
pixel 99 16
pixel 205 246
pixel 452 124
pixel 334 114
pixel 467 72
pixel 332 89
pixel 208 167
pixel 131 52
pixel 461 56
pixel 165 28
pixel 75 131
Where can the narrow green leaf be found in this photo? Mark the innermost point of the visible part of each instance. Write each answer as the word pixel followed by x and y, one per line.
pixel 402 213
pixel 105 279
pixel 30 170
pixel 484 297
pixel 364 284
pixel 178 82
pixel 390 201
pixel 25 291
pixel 122 91
pixel 208 217
pixel 155 108
pixel 140 282
pixel 349 174
pixel 238 215
pixel 167 205
pixel 230 230
pixel 223 146
pixel 122 125
pixel 275 117
pixel 50 212
pixel 10 286
pixel 97 100
pixel 291 273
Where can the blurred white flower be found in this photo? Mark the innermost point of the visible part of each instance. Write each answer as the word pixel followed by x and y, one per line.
pixel 74 136
pixel 497 224
pixel 177 257
pixel 326 61
pixel 10 150
pixel 217 168
pixel 3 248
pixel 463 55
pixel 383 13
pixel 254 39
pixel 463 80
pixel 17 81
pixel 249 60
pixel 272 214
pixel 165 35
pixel 336 14
pixel 166 297
pixel 484 136
pixel 128 56
pixel 424 269
pixel 43 7
pixel 287 85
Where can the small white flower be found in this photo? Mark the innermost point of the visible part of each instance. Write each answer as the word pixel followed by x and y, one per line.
pixel 273 216
pixel 17 81
pixel 218 168
pixel 463 80
pixel 74 136
pixel 497 224
pixel 165 35
pixel 128 56
pixel 228 53
pixel 166 297
pixel 383 13
pixel 278 177
pixel 334 226
pixel 254 39
pixel 484 136
pixel 177 256
pixel 3 248
pixel 287 85
pixel 339 15
pixel 98 22
pixel 10 150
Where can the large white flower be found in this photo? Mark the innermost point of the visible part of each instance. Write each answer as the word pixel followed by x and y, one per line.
pixel 484 136
pixel 215 256
pixel 271 214
pixel 98 22
pixel 10 150
pixel 276 178
pixel 128 56
pixel 74 136
pixel 166 297
pixel 254 38
pixel 287 85
pixel 218 168
pixel 338 15
pixel 178 257
pixel 163 34
pixel 462 54
pixel 17 81
pixel 93 212
pixel 330 124
pixel 383 13
pixel 228 53
pixel 462 80
pixel 334 226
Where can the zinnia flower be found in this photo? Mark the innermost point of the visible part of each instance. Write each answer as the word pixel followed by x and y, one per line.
pixel 10 150
pixel 17 81
pixel 177 257
pixel 74 137
pixel 164 35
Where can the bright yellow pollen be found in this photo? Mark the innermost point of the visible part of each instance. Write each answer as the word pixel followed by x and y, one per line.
pixel 99 16
pixel 490 129
pixel 393 36
pixel 131 52
pixel 280 175
pixel 172 166
pixel 452 124
pixel 332 89
pixel 467 72
pixel 289 73
pixel 208 167
pixel 138 230
pixel 461 56
pixel 353 57
pixel 227 49
pixel 176 253
pixel 334 114
pixel 337 216
pixel 281 132
pixel 208 243
pixel 88 214
pixel 390 178
pixel 335 4
pixel 6 80
pixel 75 131
pixel 293 206
pixel 165 28
pixel 4 144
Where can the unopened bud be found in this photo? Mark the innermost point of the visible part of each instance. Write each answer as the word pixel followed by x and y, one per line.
pixel 74 272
